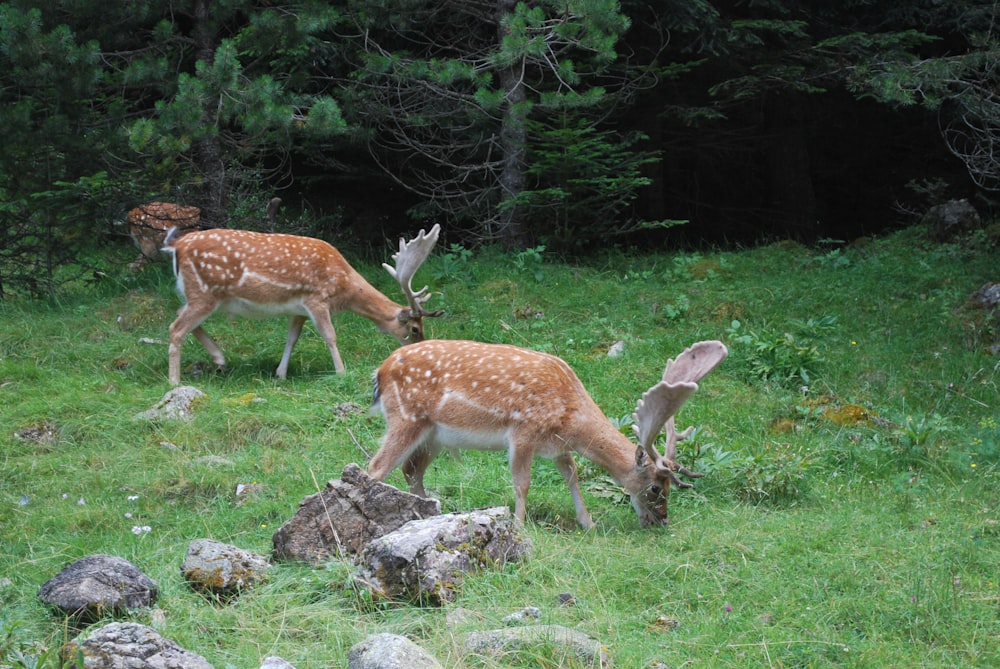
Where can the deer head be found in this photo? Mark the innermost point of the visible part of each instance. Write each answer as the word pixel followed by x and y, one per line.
pixel 148 225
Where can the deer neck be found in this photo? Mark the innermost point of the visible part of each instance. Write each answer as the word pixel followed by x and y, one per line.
pixel 368 302
pixel 603 444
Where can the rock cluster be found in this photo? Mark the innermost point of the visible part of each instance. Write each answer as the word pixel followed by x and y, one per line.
pixel 410 552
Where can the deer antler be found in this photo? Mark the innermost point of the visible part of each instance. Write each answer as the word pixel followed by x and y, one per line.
pixel 660 403
pixel 409 258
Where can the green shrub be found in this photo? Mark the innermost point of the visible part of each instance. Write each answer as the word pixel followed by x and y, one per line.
pixel 792 357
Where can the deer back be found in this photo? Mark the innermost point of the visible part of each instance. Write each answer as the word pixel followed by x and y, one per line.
pixel 262 268
pixel 469 388
pixel 258 274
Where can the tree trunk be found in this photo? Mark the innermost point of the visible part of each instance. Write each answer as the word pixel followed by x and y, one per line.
pixel 208 150
pixel 510 228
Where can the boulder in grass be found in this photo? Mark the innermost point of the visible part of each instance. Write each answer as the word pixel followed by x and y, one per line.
pixel 220 569
pixel 98 585
pixel 427 560
pixel 177 404
pixel 345 516
pixel 390 651
pixel 130 646
pixel 567 644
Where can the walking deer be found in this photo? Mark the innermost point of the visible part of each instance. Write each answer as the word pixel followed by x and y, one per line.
pixel 148 225
pixel 261 275
pixel 463 394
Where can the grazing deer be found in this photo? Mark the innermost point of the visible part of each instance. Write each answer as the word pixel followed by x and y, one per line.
pixel 463 394
pixel 260 275
pixel 148 225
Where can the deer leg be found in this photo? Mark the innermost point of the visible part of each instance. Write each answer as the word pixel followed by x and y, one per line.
pixel 521 456
pixel 210 346
pixel 321 320
pixel 567 467
pixel 189 320
pixel 295 324
pixel 415 466
pixel 401 440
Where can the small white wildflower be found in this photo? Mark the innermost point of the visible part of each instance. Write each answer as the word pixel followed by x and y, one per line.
pixel 128 515
pixel 141 529
pixel 65 495
pixel 81 502
pixel 132 498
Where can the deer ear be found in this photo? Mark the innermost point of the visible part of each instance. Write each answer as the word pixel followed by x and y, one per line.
pixel 404 316
pixel 640 457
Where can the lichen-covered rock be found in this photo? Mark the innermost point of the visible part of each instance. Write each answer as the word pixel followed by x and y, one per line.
pixel 390 651
pixel 130 646
pixel 345 516
pixel 427 560
pixel 177 404
pixel 218 568
pixel 98 585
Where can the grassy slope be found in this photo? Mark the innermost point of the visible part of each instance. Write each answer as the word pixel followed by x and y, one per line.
pixel 811 542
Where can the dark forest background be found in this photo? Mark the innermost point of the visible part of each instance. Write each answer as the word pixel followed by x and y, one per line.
pixel 574 124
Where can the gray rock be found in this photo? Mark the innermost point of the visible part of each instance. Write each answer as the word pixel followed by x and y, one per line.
pixel 347 515
pixel 987 297
pixel 177 404
pixel 952 218
pixel 218 568
pixel 566 643
pixel 525 616
pixel 390 651
pixel 131 646
pixel 426 560
pixel 98 585
pixel 275 663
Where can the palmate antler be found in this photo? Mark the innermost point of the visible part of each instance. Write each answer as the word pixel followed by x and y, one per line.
pixel 660 403
pixel 409 258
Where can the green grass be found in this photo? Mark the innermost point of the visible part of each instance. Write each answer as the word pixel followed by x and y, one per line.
pixel 849 517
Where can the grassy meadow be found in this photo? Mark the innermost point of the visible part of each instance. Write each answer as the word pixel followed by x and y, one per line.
pixel 849 515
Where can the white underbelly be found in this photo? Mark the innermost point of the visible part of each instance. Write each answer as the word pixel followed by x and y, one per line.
pixel 479 440
pixel 246 309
